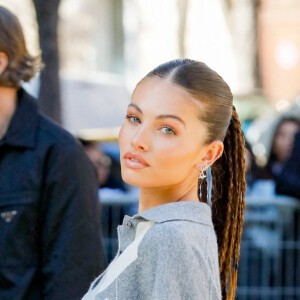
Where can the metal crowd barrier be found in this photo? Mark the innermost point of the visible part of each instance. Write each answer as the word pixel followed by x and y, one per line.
pixel 269 266
pixel 113 211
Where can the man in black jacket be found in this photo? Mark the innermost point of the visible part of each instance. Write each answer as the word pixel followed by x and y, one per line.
pixel 50 243
pixel 288 183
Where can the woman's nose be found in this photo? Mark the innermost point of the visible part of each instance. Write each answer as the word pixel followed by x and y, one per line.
pixel 140 140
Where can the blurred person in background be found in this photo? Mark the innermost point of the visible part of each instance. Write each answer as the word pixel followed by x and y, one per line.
pixel 288 181
pixel 50 243
pixel 281 146
pixel 108 170
pixel 101 161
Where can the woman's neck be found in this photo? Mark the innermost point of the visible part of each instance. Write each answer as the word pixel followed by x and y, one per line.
pixel 152 197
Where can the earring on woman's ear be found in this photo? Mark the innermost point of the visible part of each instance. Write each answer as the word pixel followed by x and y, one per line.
pixel 201 172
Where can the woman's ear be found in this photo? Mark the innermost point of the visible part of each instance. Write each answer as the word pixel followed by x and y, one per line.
pixel 213 152
pixel 3 62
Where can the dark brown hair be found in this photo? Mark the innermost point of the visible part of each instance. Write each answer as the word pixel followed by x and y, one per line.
pixel 228 172
pixel 267 171
pixel 21 65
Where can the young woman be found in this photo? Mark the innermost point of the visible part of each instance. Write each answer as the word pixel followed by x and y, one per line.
pixel 281 147
pixel 182 244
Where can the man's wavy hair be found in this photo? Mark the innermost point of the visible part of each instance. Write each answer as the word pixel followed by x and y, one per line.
pixel 21 65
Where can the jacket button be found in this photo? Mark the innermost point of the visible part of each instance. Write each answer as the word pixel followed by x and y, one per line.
pixel 129 224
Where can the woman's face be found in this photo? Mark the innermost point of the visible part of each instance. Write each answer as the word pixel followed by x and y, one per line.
pixel 161 140
pixel 284 140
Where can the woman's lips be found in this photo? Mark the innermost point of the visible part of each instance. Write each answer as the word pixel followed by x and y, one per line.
pixel 135 161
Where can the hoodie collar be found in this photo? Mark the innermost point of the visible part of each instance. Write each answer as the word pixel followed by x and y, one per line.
pixel 198 212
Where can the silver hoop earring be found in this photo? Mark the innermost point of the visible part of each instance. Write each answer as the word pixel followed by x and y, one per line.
pixel 201 173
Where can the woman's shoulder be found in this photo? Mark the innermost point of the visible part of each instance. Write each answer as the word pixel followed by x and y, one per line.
pixel 180 244
pixel 176 234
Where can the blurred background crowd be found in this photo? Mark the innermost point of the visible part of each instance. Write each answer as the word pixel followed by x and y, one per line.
pixel 95 51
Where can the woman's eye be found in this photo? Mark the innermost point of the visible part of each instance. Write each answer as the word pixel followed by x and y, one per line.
pixel 133 119
pixel 168 130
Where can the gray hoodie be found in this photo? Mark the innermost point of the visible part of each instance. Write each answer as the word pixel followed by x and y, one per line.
pixel 168 252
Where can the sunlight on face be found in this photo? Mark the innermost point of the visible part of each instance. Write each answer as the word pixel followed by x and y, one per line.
pixel 161 140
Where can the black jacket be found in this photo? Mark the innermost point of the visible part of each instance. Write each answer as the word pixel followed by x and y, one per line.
pixel 288 183
pixel 50 243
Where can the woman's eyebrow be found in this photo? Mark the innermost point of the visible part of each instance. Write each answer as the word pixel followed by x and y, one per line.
pixel 164 116
pixel 136 107
pixel 170 116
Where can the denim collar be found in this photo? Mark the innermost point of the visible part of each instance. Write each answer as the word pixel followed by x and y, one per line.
pixel 24 123
pixel 198 212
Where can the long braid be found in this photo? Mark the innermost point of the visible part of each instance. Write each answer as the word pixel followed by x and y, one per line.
pixel 240 203
pixel 228 204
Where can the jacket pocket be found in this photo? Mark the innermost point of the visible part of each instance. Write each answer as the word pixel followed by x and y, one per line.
pixel 12 204
pixel 18 229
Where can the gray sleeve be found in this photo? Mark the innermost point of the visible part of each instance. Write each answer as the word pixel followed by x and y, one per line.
pixel 174 266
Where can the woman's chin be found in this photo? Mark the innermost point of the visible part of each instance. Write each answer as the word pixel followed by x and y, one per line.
pixel 135 179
